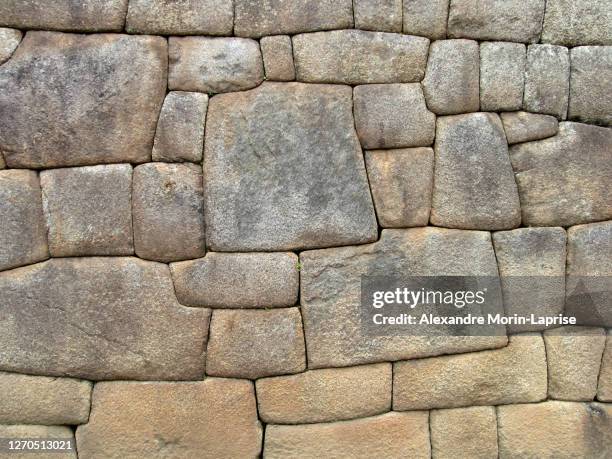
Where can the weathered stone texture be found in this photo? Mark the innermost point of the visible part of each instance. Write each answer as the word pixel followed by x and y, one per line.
pixel 401 182
pixel 392 435
pixel 426 18
pixel 565 180
pixel 604 385
pixel 590 97
pixel 379 15
pixel 238 280
pixel 29 432
pixel 359 57
pixel 256 18
pixel 547 79
pixel 525 127
pixel 42 400
pixel 297 174
pixel 9 40
pixel 88 210
pixel 277 54
pixel 214 418
pixel 168 212
pixel 182 17
pixel 99 114
pixel 474 187
pixel 23 232
pixel 502 76
pixel 255 343
pixel 99 318
pixel 180 128
pixel 326 395
pixel 513 374
pixel 573 23
pixel 451 83
pixel 214 65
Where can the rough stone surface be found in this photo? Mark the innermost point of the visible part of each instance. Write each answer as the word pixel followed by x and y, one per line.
pixel 426 18
pixel 331 293
pixel 168 212
pixel 604 387
pixel 554 429
pixel 100 114
pixel 401 183
pixel 99 318
pixel 502 76
pixel 182 17
pixel 180 128
pixel 42 400
pixel 255 343
pixel 590 99
pixel 547 80
pixel 256 18
pixel 29 432
pixel 238 280
pixel 513 374
pixel 9 40
pixel 474 187
pixel 359 57
pixel 23 233
pixel 464 432
pixel 88 210
pixel 451 83
pixel 326 395
pixel 214 65
pixel 393 116
pixel 565 180
pixel 278 58
pixel 573 23
pixel 214 418
pixel 380 15
pixel 392 435
pixel 503 20
pixel 526 127
pixel 574 357
pixel 524 255
pixel 74 15
pixel 298 176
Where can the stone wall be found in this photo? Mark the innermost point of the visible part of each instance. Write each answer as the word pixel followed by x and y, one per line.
pixel 191 190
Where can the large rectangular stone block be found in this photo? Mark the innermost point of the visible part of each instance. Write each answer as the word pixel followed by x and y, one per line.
pixel 574 23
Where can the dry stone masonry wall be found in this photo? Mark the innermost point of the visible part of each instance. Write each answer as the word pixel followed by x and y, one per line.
pixel 191 190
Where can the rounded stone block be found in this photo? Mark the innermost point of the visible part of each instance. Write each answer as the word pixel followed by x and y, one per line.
pixel 575 23
pixel 278 57
pixel 379 15
pixel 426 18
pixel 502 76
pixel 9 40
pixel 590 99
pixel 525 127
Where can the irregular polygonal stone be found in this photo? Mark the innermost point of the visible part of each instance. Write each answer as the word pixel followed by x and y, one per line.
pixel 565 180
pixel 525 127
pixel 393 116
pixel 278 57
pixel 591 84
pixel 255 343
pixel 574 356
pixel 29 432
pixel 88 210
pixel 513 374
pixel 100 114
pixel 572 23
pixel 604 387
pixel 401 183
pixel 168 212
pixel 99 318
pixel 9 40
pixel 296 167
pixel 380 15
pixel 426 18
pixel 554 429
pixel 42 400
pixel 359 57
pixel 451 82
pixel 183 17
pixel 74 15
pixel 180 128
pixel 502 76
pixel 465 432
pixel 391 435
pixel 547 80
pixel 503 20
pixel 214 65
pixel 474 186
pixel 213 418
pixel 331 293
pixel 326 395
pixel 256 18
pixel 238 280
pixel 23 232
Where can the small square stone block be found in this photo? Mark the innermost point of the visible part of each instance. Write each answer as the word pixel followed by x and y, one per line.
pixel 278 58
